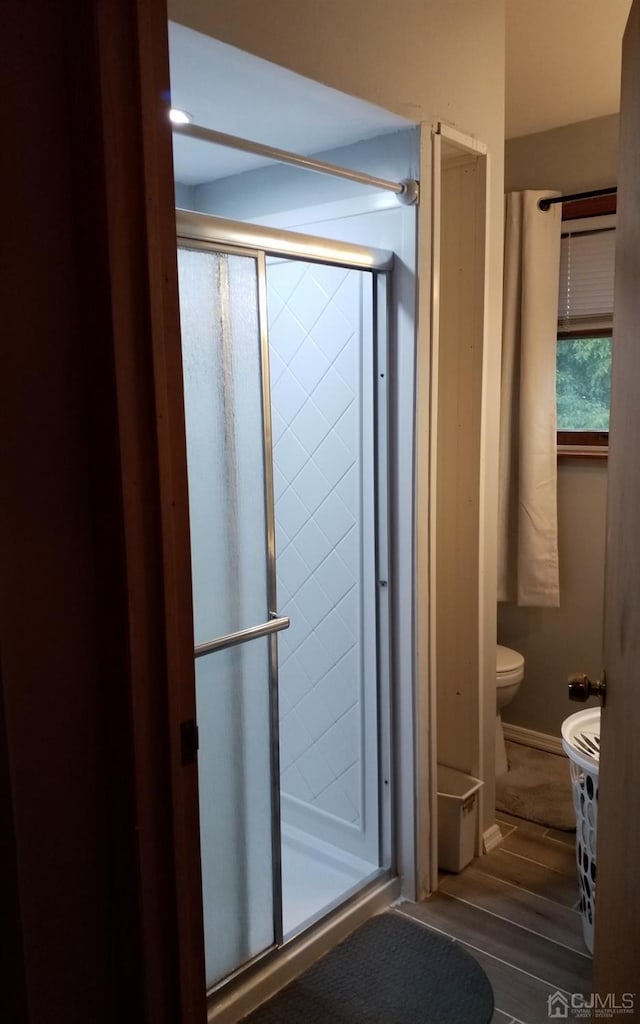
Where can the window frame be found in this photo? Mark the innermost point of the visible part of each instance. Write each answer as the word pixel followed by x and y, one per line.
pixel 585 444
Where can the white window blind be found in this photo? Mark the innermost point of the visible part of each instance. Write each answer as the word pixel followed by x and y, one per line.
pixel 586 278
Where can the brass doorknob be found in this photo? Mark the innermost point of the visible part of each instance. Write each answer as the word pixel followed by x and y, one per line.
pixel 581 687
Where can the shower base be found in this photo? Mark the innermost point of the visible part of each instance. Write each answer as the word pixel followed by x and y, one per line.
pixel 316 877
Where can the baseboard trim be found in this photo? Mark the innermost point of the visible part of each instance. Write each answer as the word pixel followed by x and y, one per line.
pixel 531 738
pixel 491 838
pixel 300 953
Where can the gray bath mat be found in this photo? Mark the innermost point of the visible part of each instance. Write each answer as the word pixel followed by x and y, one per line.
pixel 390 971
pixel 537 787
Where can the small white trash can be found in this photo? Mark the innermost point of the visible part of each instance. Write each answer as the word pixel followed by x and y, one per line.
pixel 581 742
pixel 457 818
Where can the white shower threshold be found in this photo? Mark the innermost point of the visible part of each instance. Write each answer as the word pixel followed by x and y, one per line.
pixel 316 877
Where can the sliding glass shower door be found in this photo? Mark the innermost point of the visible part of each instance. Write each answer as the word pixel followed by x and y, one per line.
pixel 231 516
pixel 315 474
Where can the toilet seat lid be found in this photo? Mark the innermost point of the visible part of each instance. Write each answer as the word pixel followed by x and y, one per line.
pixel 508 660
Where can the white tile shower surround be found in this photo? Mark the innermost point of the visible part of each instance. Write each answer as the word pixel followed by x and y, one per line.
pixel 315 332
pixel 315 877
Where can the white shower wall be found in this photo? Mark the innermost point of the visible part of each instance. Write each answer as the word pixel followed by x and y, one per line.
pixel 321 355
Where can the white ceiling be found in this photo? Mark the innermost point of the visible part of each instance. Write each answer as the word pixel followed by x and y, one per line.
pixel 563 62
pixel 235 92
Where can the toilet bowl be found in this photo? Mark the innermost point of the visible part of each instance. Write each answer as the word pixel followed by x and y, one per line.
pixel 509 675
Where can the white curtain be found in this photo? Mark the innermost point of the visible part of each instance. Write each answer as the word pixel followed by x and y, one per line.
pixel 528 520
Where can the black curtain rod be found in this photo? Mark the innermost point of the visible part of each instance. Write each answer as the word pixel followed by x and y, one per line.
pixel 545 204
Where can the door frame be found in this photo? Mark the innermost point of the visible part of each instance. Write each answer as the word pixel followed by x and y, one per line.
pixel 138 182
pixel 105 676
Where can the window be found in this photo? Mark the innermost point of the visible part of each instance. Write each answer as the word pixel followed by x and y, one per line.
pixel 583 381
pixel 585 318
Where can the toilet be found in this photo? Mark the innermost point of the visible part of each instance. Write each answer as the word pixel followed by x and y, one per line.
pixel 509 675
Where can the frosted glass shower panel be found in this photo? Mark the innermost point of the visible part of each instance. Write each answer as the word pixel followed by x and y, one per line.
pixel 221 353
pixel 321 353
pixel 232 695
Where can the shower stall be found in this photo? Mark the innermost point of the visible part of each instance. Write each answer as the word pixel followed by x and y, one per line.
pixel 285 347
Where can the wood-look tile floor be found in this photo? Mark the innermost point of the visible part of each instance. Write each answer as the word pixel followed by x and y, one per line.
pixel 516 911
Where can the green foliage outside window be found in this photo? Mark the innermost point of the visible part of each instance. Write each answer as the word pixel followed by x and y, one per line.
pixel 583 383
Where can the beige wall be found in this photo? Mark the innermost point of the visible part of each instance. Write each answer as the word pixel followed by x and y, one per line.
pixel 558 641
pixel 573 158
pixel 460 580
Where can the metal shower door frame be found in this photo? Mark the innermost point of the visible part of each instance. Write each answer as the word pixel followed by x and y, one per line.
pixel 214 234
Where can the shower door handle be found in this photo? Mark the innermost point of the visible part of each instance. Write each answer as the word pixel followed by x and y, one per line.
pixel 252 633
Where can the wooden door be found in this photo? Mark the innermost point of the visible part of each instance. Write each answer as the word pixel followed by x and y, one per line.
pixel 617 919
pixel 99 814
